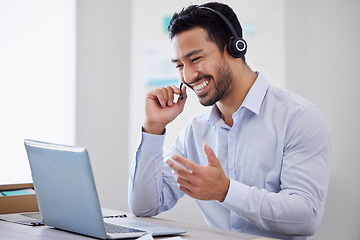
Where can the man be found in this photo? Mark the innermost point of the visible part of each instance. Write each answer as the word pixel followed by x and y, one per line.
pixel 256 162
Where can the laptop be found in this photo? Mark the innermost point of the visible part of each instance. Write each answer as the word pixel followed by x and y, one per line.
pixel 67 197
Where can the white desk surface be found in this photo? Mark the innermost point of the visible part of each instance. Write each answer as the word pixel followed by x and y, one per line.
pixel 18 231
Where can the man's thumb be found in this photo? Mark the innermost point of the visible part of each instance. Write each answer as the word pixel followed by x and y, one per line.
pixel 212 159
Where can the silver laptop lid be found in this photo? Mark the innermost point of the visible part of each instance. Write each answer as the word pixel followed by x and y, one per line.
pixel 65 187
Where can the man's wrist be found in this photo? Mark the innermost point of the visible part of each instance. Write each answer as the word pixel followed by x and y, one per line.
pixel 223 196
pixel 157 129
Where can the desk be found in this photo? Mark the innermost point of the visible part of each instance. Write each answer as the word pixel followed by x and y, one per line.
pixel 17 231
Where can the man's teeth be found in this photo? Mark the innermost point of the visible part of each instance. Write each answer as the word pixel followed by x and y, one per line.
pixel 201 86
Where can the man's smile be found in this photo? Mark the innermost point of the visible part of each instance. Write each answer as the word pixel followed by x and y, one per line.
pixel 199 86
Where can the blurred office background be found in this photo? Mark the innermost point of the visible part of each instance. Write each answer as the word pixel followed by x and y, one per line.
pixel 76 72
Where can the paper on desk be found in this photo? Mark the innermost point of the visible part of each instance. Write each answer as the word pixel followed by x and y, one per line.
pixel 174 238
pixel 146 237
pixel 262 238
pixel 149 237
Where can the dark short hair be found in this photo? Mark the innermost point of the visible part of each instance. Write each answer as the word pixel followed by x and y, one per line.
pixel 217 30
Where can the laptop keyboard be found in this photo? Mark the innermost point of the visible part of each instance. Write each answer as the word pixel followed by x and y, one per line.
pixel 113 228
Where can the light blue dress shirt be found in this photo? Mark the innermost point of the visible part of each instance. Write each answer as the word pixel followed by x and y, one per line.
pixel 276 155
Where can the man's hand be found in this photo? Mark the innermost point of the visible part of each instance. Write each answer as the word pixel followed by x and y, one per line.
pixel 160 108
pixel 201 182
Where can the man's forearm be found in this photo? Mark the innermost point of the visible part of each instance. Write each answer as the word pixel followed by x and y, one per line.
pixel 151 186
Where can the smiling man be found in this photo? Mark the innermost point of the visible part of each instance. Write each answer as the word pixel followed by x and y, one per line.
pixel 256 162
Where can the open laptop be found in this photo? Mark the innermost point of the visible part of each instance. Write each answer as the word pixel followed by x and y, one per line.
pixel 67 197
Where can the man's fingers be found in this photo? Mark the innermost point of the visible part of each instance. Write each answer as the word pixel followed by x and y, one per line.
pixel 165 95
pixel 188 192
pixel 178 169
pixel 212 159
pixel 170 95
pixel 184 183
pixel 193 167
pixel 161 95
pixel 183 177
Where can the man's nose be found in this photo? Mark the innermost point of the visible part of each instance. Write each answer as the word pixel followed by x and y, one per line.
pixel 190 73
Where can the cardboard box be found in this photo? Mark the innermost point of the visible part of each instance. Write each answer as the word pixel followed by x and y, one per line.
pixel 16 204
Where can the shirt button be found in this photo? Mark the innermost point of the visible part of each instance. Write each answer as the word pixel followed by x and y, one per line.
pixel 232 134
pixel 231 167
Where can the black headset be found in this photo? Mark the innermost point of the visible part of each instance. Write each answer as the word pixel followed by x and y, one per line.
pixel 237 46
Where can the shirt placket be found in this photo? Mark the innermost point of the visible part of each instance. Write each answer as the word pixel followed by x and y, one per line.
pixel 232 164
pixel 232 174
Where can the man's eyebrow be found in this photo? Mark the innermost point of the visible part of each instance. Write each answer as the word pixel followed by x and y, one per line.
pixel 196 51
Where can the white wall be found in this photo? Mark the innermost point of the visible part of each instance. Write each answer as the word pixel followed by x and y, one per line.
pixel 322 56
pixel 103 48
pixel 37 80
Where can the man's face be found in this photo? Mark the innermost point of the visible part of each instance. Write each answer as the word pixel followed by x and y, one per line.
pixel 201 65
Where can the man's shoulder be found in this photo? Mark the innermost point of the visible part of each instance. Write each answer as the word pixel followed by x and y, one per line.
pixel 281 95
pixel 290 105
pixel 299 111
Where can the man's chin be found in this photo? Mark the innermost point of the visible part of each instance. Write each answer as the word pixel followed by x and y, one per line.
pixel 206 101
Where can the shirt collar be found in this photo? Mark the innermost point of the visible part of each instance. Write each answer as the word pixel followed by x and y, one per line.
pixel 252 101
pixel 256 94
pixel 215 115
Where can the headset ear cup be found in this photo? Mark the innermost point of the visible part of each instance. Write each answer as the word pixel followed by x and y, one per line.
pixel 237 47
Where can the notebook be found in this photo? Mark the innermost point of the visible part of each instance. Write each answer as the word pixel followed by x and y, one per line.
pixel 67 197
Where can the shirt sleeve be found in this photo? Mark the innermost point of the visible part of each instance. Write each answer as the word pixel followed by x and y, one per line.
pixel 297 208
pixel 152 187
